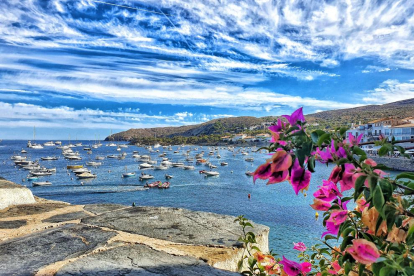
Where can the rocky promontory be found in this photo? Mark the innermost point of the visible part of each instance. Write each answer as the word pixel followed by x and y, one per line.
pixel 55 238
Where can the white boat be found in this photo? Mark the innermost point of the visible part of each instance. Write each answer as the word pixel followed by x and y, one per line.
pixel 86 175
pixel 156 146
pixel 49 158
pixel 145 177
pixel 212 173
pixel 249 159
pixel 212 166
pixel 80 170
pixel 249 173
pixel 44 183
pixel 87 148
pixel 40 173
pixel 58 143
pixel 145 166
pixel 161 167
pixel 166 163
pixel 188 167
pixel 31 167
pixel 244 153
pixel 31 178
pixel 112 145
pixel 128 174
pixel 177 164
pixel 78 145
pixel 112 156
pixel 36 146
pixel 123 146
pixel 93 163
pixel 152 162
pixel 18 157
pixel 99 158
pixel 49 144
pixel 118 149
pixel 73 157
pixel 23 151
pixel 218 156
pixel 224 163
pixel 136 156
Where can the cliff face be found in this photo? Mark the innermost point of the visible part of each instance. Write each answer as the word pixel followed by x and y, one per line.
pixel 325 119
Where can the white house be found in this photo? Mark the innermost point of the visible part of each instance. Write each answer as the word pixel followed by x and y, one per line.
pixel 238 137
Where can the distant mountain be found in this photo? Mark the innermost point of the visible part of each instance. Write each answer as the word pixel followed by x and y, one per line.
pixel 325 119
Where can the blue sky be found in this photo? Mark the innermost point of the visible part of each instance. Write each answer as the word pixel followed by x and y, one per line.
pixel 82 67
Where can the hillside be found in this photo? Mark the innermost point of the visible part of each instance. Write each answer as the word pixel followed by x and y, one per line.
pixel 326 119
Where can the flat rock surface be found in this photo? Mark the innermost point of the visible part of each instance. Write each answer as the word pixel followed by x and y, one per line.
pixel 26 255
pixel 66 217
pixel 12 224
pixel 4 184
pixel 31 209
pixel 139 260
pixel 98 209
pixel 176 225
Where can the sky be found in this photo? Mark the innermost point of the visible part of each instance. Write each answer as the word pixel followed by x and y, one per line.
pixel 85 68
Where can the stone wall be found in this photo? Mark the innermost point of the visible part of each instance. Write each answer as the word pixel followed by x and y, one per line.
pixel 398 164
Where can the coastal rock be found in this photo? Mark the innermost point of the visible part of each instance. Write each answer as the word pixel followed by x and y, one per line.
pixel 31 209
pixel 178 225
pixel 12 224
pixel 98 209
pixel 139 260
pixel 66 217
pixel 14 194
pixel 26 255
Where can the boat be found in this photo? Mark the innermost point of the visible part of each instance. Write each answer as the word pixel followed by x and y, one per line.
pixel 145 166
pixel 112 145
pixel 145 177
pixel 161 167
pixel 49 158
pixel 249 173
pixel 40 173
pixel 211 173
pixel 49 144
pixel 113 156
pixel 87 148
pixel 86 175
pixel 73 157
pixel 177 164
pixel 80 170
pixel 123 146
pixel 166 163
pixel 31 167
pixel 188 167
pixel 31 178
pixel 93 163
pixel 44 183
pixel 168 176
pixel 99 158
pixel 71 167
pixel 23 151
pixel 224 163
pixel 153 184
pixel 218 156
pixel 249 159
pixel 202 171
pixel 128 174
pixel 58 143
pixel 18 157
pixel 164 185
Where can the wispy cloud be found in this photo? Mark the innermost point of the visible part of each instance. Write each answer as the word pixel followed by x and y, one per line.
pixel 390 91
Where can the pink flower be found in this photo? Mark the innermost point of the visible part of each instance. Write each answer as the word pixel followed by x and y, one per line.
pixel 300 246
pixel 332 229
pixel 277 127
pixel 362 204
pixel 290 267
pixel 306 267
pixel 327 192
pixel 363 251
pixel 370 162
pixel 335 265
pixel 320 205
pixel 335 174
pixel 263 172
pixel 354 141
pixel 381 173
pixel 277 177
pixel 296 116
pixel 299 177
pixel 338 217
pixel 281 161
pixel 347 182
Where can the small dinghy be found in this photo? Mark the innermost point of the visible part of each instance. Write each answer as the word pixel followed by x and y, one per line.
pixel 161 167
pixel 153 184
pixel 145 177
pixel 249 173
pixel 86 175
pixel 167 176
pixel 188 167
pixel 164 185
pixel 31 178
pixel 212 173
pixel 130 174
pixel 224 163
pixel 44 183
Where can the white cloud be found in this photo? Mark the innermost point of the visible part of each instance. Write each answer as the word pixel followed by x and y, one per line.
pixel 390 91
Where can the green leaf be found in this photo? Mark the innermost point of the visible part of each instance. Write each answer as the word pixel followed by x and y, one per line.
pixel 359 186
pixel 346 241
pixel 383 150
pixel 361 268
pixel 348 267
pixel 358 151
pixel 342 131
pixel 376 267
pixel 387 271
pixel 405 175
pixel 240 265
pixel 324 138
pixel 311 164
pixel 378 200
pixel 316 134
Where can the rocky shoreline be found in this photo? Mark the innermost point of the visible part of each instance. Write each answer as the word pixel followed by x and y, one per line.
pixel 43 237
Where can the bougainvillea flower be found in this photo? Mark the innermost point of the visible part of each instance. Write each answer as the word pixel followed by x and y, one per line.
pixel 362 204
pixel 324 156
pixel 277 127
pixel 363 251
pixel 332 229
pixel 300 246
pixel 347 182
pixel 277 177
pixel 369 218
pixel 327 192
pixel 299 177
pixel 354 141
pixel 273 270
pixel 397 235
pixel 320 205
pixel 381 173
pixel 370 162
pixel 306 267
pixel 338 217
pixel 296 116
pixel 281 161
pixel 335 174
pixel 335 265
pixel 290 267
pixel 275 137
pixel 341 153
pixel 262 172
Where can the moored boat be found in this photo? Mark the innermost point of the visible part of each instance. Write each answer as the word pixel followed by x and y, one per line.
pixel 211 173
pixel 164 185
pixel 86 175
pixel 153 184
pixel 71 167
pixel 43 183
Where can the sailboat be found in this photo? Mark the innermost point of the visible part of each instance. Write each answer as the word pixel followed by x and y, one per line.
pixel 34 145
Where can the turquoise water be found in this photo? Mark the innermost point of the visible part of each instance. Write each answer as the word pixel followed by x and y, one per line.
pixel 289 216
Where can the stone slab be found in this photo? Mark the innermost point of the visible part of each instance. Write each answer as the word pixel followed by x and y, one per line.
pixel 176 225
pixel 139 260
pixel 98 209
pixel 66 217
pixel 12 224
pixel 31 209
pixel 26 255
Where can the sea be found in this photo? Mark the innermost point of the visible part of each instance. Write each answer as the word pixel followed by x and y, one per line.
pixel 288 215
